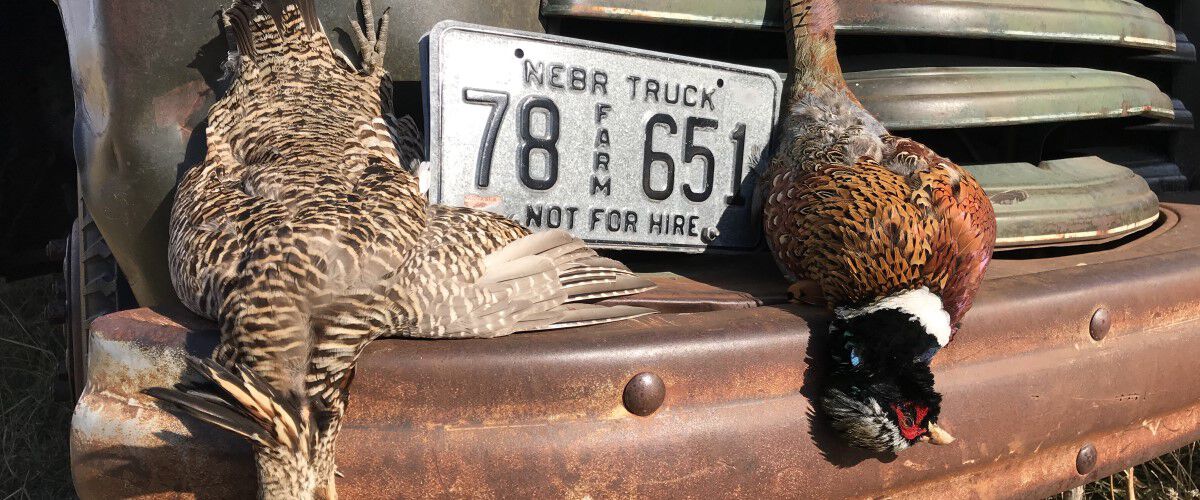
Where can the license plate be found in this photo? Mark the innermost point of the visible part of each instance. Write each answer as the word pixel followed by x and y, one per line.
pixel 624 148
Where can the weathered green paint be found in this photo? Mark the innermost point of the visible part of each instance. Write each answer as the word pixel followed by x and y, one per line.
pixel 1065 201
pixel 1109 22
pixel 937 98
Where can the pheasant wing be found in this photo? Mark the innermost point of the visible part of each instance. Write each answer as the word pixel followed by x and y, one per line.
pixel 966 232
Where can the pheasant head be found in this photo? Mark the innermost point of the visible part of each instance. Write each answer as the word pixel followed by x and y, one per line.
pixel 880 395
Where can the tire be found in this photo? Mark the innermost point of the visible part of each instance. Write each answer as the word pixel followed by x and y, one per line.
pixel 92 286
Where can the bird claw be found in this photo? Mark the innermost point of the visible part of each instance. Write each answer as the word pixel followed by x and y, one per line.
pixel 372 42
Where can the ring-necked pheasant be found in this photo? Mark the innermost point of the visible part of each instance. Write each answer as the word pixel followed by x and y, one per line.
pixel 305 236
pixel 894 237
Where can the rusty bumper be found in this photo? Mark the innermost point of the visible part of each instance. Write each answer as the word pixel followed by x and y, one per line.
pixel 1072 366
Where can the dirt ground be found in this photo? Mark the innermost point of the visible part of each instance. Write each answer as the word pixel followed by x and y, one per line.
pixel 34 423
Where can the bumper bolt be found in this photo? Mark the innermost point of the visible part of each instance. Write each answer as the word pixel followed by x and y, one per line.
pixel 644 394
pixel 1085 461
pixel 1100 323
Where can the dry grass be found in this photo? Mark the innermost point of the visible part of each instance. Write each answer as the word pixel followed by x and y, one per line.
pixel 33 425
pixel 1172 476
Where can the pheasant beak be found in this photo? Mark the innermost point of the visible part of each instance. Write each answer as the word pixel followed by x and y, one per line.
pixel 937 435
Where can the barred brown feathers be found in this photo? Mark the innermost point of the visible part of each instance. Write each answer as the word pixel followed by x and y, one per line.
pixel 306 234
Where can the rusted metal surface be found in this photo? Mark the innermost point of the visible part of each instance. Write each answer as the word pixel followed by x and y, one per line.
pixel 702 284
pixel 937 98
pixel 1026 390
pixel 1109 22
pixel 1065 201
pixel 120 438
pixel 145 73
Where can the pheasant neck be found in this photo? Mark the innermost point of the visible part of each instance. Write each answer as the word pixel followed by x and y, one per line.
pixel 811 47
pixel 920 306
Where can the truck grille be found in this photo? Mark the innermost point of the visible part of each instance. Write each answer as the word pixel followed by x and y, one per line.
pixel 1046 100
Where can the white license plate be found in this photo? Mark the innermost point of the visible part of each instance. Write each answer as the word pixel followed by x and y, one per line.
pixel 625 148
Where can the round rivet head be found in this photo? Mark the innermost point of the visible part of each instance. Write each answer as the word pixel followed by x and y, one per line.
pixel 644 394
pixel 1100 323
pixel 1085 461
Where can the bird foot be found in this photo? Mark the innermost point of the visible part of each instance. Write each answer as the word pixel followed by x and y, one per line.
pixel 330 492
pixel 806 292
pixel 371 36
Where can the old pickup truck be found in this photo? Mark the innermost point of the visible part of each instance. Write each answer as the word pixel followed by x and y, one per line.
pixel 1079 359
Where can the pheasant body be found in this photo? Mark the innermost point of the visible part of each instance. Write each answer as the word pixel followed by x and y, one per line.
pixel 894 236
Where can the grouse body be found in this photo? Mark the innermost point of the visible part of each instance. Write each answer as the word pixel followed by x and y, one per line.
pixel 304 233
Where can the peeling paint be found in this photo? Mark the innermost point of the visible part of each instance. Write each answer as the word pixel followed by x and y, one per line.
pixel 92 420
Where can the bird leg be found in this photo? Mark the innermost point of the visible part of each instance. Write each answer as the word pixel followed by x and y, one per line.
pixel 806 292
pixel 323 460
pixel 372 43
pixel 330 489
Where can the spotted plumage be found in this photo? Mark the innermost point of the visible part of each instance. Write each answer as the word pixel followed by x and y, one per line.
pixel 893 236
pixel 305 234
